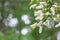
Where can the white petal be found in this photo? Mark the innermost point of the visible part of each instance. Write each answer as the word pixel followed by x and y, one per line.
pixel 53 10
pixel 40 29
pixel 35 24
pixel 39 7
pixel 47 13
pixel 40 23
pixel 33 6
pixel 42 3
pixel 39 12
pixel 57 25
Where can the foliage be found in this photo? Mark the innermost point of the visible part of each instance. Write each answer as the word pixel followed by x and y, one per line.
pixel 47 17
pixel 13 14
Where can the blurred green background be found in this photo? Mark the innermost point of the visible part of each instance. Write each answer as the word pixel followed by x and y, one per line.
pixel 17 19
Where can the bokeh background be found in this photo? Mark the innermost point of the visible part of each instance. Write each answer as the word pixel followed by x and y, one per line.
pixel 15 21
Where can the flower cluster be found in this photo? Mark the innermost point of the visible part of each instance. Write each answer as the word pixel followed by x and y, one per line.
pixel 46 15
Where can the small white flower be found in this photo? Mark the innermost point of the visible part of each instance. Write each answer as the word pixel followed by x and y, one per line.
pixel 53 10
pixel 33 25
pixel 24 31
pixel 39 17
pixel 55 5
pixel 33 6
pixel 47 13
pixel 25 19
pixel 58 15
pixel 42 3
pixel 13 22
pixel 39 12
pixel 55 19
pixel 57 25
pixel 39 7
pixel 47 23
pixel 40 23
pixel 40 29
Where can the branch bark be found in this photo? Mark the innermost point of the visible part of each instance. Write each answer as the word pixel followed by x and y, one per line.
pixel 3 17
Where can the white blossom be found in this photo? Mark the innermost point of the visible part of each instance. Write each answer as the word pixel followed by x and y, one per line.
pixel 53 10
pixel 39 7
pixel 25 19
pixel 39 12
pixel 40 23
pixel 55 19
pixel 40 29
pixel 24 31
pixel 57 25
pixel 39 15
pixel 33 25
pixel 58 15
pixel 47 23
pixel 13 22
pixel 33 6
pixel 55 5
pixel 37 18
pixel 47 13
pixel 42 3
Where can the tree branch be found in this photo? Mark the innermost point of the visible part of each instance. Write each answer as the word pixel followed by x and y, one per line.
pixel 3 17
